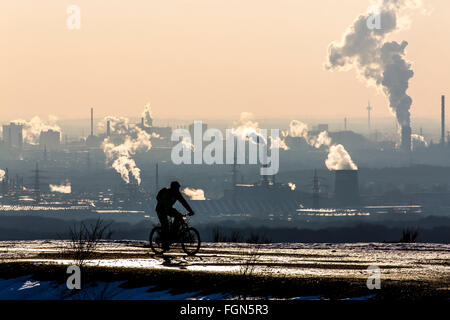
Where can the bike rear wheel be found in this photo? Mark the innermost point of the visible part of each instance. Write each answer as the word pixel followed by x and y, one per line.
pixel 155 240
pixel 190 241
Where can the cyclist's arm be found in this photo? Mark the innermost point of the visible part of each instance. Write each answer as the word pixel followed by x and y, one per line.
pixel 184 203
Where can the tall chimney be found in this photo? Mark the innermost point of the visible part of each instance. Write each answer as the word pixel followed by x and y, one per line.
pixel 443 120
pixel 92 121
pixel 142 122
pixel 108 128
pixel 406 138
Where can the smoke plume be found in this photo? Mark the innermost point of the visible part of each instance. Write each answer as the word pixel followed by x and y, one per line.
pixel 2 175
pixel 62 188
pixel 248 129
pixel 118 125
pixel 338 158
pixel 120 151
pixel 32 129
pixel 418 141
pixel 300 130
pixel 376 60
pixel 194 194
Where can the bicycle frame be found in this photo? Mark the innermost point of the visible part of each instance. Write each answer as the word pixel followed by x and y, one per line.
pixel 184 232
pixel 183 225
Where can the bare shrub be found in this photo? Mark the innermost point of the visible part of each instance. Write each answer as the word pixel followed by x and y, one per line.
pixel 247 267
pixel 249 264
pixel 256 237
pixel 235 236
pixel 217 235
pixel 84 239
pixel 409 235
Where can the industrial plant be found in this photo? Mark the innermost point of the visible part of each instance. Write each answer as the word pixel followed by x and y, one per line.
pixel 45 173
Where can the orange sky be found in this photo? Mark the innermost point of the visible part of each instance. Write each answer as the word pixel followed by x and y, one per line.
pixel 201 59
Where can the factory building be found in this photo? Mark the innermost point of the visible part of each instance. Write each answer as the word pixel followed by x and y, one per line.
pixel 161 135
pixel 13 135
pixel 50 139
pixel 92 140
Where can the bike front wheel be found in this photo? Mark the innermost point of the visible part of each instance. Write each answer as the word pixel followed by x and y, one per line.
pixel 156 240
pixel 190 241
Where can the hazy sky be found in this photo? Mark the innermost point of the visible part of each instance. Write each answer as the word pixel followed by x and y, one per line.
pixel 202 59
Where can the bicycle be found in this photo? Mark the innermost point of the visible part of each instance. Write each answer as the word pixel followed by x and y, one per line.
pixel 187 236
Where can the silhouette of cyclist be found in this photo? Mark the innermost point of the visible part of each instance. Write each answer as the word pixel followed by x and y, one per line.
pixel 166 198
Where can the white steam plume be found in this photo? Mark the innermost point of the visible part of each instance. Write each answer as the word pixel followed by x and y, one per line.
pixel 2 175
pixel 118 125
pixel 300 130
pixel 32 129
pixel 194 194
pixel 62 188
pixel 248 129
pixel 382 63
pixel 120 153
pixel 338 158
pixel 418 141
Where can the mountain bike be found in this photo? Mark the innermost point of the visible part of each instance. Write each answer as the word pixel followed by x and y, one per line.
pixel 187 236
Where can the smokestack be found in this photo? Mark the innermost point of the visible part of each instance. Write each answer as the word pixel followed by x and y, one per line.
pixel 443 120
pixel 92 121
pixel 406 138
pixel 108 128
pixel 142 122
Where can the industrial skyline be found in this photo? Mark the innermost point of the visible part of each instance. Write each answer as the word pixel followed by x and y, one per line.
pixel 213 149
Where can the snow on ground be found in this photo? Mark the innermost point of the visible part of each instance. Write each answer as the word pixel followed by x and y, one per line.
pixel 417 261
pixel 420 261
pixel 25 288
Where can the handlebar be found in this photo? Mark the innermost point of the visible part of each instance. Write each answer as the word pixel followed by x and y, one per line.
pixel 187 215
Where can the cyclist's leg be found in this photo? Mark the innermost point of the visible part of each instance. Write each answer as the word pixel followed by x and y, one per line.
pixel 165 228
pixel 177 221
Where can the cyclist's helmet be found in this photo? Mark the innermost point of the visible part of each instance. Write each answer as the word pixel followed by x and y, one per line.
pixel 175 185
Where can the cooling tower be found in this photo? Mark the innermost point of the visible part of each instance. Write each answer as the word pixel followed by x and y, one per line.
pixel 346 187
pixel 406 138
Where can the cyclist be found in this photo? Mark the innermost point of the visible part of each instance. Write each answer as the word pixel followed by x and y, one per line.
pixel 166 198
